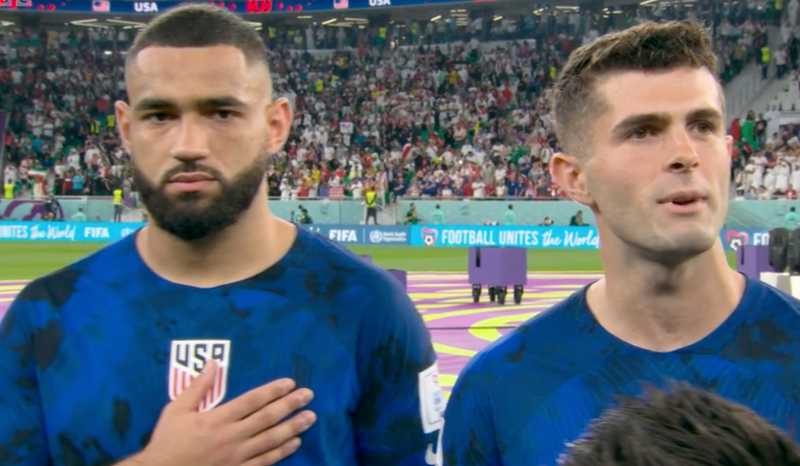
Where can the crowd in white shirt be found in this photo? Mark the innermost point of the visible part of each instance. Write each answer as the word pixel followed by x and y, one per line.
pixel 436 110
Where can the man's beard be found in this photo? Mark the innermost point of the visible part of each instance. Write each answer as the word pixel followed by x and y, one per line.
pixel 194 216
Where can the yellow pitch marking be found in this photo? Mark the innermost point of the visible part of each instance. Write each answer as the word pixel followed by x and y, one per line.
pixel 487 329
pixel 11 288
pixel 453 350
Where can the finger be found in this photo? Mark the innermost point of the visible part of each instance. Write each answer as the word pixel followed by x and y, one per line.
pixel 275 412
pixel 196 392
pixel 274 437
pixel 275 455
pixel 250 402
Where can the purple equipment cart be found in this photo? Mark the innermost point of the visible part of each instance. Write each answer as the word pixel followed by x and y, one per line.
pixel 401 276
pixel 498 268
pixel 752 260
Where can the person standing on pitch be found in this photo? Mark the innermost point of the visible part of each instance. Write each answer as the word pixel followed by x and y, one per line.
pixel 640 117
pixel 218 334
pixel 371 200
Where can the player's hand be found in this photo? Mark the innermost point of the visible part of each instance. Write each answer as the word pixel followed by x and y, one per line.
pixel 246 431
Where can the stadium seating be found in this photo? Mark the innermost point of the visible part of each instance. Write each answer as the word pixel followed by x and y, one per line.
pixel 464 105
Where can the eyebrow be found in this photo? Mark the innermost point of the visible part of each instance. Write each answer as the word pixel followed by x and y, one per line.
pixel 662 119
pixel 152 104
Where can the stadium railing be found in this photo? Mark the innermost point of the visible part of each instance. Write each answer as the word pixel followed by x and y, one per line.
pixel 741 213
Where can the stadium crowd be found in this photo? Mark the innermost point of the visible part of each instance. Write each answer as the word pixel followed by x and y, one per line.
pixel 420 109
pixel 766 162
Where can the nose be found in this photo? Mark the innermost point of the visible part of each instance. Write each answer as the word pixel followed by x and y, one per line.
pixel 191 140
pixel 683 153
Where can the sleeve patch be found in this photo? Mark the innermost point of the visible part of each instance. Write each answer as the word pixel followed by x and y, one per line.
pixel 431 399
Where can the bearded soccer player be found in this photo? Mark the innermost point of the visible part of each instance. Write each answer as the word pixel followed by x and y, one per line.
pixel 640 117
pixel 218 334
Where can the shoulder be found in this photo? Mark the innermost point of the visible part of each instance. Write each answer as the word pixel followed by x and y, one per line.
pixel 334 273
pixel 767 315
pixel 542 354
pixel 34 322
pixel 57 287
pixel 764 302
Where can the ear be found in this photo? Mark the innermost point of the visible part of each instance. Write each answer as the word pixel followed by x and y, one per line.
pixel 123 116
pixel 567 173
pixel 729 145
pixel 279 122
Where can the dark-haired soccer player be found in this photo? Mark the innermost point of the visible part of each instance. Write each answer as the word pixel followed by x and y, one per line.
pixel 640 117
pixel 101 362
pixel 683 426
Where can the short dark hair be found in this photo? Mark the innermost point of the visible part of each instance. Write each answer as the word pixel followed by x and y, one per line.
pixel 646 47
pixel 685 426
pixel 200 25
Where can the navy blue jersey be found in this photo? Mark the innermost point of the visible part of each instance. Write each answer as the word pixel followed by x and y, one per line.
pixel 522 399
pixel 91 354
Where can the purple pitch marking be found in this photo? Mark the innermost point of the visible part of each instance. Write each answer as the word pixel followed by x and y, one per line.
pixel 7 295
pixel 445 301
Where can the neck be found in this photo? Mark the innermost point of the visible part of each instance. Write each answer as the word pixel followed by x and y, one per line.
pixel 251 245
pixel 664 308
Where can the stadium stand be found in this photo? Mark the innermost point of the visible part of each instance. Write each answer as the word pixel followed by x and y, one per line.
pixel 420 109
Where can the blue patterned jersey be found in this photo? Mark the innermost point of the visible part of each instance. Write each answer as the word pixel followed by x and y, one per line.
pixel 91 354
pixel 522 399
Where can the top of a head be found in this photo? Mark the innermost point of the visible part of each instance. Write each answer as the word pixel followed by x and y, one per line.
pixel 200 25
pixel 683 426
pixel 646 47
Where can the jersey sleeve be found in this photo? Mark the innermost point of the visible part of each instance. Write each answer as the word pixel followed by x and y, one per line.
pixel 400 410
pixel 22 436
pixel 468 438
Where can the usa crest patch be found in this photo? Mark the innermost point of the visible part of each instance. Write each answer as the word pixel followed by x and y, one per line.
pixel 187 358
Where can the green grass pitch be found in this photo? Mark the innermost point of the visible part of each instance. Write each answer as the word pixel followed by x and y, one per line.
pixel 29 260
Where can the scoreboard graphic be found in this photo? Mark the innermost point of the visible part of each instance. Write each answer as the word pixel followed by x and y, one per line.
pixel 238 6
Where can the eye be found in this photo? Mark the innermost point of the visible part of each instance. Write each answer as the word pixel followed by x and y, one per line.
pixel 156 117
pixel 705 127
pixel 223 114
pixel 639 133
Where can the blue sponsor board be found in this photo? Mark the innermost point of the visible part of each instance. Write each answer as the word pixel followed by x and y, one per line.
pixel 66 231
pixel 363 234
pixel 504 236
pixel 395 235
pixel 547 237
pixel 398 235
pixel 733 239
pixel 108 232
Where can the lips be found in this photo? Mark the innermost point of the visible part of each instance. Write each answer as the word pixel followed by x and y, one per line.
pixel 683 198
pixel 190 178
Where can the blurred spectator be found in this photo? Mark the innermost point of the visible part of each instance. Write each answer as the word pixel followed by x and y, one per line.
pixel 445 109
